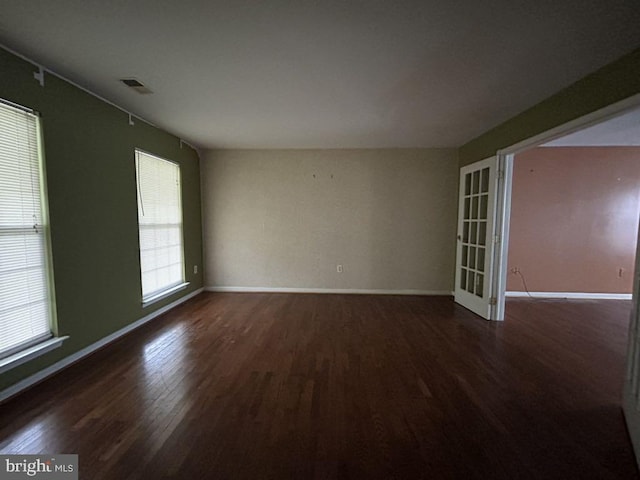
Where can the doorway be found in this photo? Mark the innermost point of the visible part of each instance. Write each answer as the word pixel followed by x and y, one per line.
pixel 505 157
pixel 575 207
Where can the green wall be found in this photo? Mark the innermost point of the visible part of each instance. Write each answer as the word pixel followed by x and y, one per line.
pixel 610 84
pixel 89 156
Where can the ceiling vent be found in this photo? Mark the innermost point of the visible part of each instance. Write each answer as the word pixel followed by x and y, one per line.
pixel 135 85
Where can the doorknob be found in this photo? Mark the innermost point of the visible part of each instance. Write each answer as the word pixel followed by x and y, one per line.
pixel 459 237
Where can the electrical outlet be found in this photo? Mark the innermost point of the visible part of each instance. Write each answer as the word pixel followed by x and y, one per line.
pixel 515 270
pixel 620 272
pixel 339 268
pixel 195 269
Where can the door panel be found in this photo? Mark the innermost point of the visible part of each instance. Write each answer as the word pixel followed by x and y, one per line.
pixel 475 249
pixel 631 403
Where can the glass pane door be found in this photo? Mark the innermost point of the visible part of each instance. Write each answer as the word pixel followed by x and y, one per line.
pixel 475 236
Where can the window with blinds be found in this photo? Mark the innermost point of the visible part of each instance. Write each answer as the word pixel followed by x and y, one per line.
pixel 160 225
pixel 25 300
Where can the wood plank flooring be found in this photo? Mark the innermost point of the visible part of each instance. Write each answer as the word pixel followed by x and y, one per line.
pixel 278 386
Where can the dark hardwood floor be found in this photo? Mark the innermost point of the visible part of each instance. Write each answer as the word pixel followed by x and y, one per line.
pixel 252 386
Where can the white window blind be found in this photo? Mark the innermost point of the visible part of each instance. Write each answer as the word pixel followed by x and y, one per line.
pixel 25 306
pixel 160 225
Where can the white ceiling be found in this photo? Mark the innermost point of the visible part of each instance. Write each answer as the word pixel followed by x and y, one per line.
pixel 620 131
pixel 323 73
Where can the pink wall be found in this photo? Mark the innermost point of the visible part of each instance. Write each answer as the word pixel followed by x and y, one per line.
pixel 574 219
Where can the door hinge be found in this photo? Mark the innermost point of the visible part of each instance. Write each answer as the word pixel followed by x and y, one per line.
pixel 500 174
pixel 493 301
pixel 496 239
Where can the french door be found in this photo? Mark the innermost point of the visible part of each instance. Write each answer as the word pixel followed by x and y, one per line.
pixel 475 238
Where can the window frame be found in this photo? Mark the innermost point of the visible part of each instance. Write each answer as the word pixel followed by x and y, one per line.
pixel 160 294
pixel 41 344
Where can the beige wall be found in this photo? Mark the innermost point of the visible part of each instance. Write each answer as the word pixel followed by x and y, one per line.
pixel 287 218
pixel 574 219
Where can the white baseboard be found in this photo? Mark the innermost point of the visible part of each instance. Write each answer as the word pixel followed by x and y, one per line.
pixel 65 362
pixel 356 291
pixel 572 295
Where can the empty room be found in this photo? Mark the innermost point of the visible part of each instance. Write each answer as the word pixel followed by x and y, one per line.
pixel 246 240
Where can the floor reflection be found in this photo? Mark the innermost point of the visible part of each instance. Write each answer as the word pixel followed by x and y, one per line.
pixel 166 385
pixel 37 437
pixel 164 365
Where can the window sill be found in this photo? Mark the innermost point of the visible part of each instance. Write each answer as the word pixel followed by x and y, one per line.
pixel 30 353
pixel 159 296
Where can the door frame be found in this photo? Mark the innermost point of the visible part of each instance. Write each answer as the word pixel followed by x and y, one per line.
pixel 503 208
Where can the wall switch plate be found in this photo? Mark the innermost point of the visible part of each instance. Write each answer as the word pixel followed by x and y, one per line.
pixel 195 269
pixel 339 268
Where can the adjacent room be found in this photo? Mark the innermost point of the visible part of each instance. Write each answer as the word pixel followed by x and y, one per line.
pixel 251 240
pixel 575 205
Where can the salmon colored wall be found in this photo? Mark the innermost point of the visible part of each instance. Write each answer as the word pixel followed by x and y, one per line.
pixel 574 219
